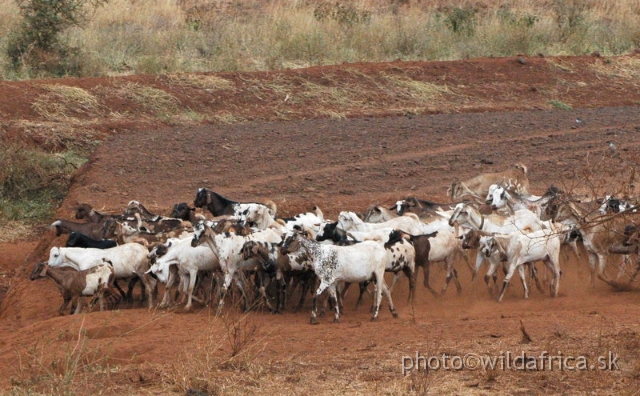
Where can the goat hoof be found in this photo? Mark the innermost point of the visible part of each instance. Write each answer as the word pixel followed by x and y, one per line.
pixel 336 320
pixel 374 319
pixel 394 314
pixel 313 321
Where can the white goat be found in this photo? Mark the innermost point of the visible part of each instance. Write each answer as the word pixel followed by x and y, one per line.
pixel 500 197
pixel 227 246
pixel 445 247
pixel 477 240
pixel 598 232
pixel 263 219
pixel 349 221
pixel 518 249
pixel 401 256
pixel 357 263
pixel 188 260
pixel 523 220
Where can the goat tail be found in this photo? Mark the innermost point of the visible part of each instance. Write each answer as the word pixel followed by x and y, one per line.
pixel 316 209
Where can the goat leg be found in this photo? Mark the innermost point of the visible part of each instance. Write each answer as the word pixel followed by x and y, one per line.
pixel 426 270
pixel 65 302
pixel 124 295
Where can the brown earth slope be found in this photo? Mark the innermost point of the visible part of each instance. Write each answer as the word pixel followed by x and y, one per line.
pixel 342 138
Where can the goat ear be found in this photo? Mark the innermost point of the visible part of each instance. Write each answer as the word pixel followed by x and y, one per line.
pixel 208 199
pixel 254 249
pixel 44 270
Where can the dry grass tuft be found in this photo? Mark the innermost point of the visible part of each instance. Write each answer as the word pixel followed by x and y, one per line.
pixel 152 99
pixel 626 68
pixel 330 96
pixel 57 136
pixel 561 65
pixel 62 102
pixel 232 346
pixel 419 90
pixel 227 117
pixel 16 231
pixel 200 81
pixel 65 371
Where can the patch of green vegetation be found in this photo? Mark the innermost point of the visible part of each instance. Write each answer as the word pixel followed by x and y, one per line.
pixel 36 45
pixel 560 105
pixel 33 182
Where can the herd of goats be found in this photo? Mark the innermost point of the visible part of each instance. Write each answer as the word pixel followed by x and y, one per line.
pixel 246 249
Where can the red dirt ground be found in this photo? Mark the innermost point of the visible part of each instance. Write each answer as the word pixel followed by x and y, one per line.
pixel 372 156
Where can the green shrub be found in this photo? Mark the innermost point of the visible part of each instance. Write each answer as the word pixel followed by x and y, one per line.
pixel 33 182
pixel 512 18
pixel 37 46
pixel 461 20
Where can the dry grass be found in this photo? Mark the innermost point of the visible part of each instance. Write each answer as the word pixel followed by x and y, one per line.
pixel 199 81
pixel 55 136
pixel 62 103
pixel 421 92
pixel 64 372
pixel 16 231
pixel 625 68
pixel 226 117
pixel 126 37
pixel 153 100
pixel 373 373
pixel 330 95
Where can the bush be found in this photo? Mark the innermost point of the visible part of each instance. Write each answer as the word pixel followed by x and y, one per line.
pixel 33 182
pixel 37 45
pixel 461 20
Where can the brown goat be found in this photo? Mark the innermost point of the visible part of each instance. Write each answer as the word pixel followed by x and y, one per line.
pixel 515 177
pixel 74 284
